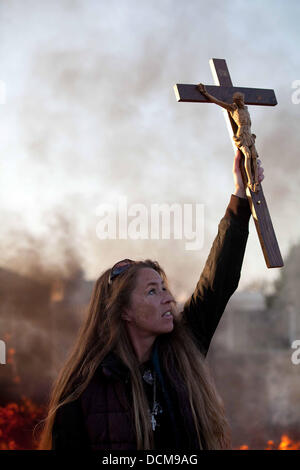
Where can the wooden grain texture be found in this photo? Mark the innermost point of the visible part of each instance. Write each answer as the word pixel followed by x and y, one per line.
pixel 263 224
pixel 224 91
pixel 220 72
pixel 257 96
pixel 257 201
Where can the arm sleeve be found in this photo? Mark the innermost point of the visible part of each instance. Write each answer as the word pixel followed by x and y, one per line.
pixel 220 276
pixel 68 430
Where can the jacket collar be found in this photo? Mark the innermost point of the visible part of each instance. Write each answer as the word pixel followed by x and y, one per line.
pixel 112 367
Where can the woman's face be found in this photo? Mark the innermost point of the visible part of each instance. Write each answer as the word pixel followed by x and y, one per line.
pixel 150 301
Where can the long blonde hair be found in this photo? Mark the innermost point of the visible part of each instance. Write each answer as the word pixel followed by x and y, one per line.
pixel 104 331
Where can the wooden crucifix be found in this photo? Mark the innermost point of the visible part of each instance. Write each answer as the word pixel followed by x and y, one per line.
pixel 223 93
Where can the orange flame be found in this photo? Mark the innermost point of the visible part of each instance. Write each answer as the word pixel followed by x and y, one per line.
pixel 286 443
pixel 10 355
pixel 57 291
pixel 17 422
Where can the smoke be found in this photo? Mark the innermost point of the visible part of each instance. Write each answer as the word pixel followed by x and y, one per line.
pixel 39 320
pixel 91 103
pixel 251 360
pixel 91 116
pixel 54 253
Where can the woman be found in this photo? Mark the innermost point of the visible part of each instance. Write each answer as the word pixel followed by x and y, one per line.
pixel 136 378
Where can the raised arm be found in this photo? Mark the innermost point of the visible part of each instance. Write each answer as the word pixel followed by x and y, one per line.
pixel 227 106
pixel 220 276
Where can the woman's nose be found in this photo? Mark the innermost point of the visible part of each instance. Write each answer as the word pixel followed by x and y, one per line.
pixel 168 297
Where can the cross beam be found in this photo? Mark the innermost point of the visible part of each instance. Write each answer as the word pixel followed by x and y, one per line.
pixel 253 96
pixel 258 96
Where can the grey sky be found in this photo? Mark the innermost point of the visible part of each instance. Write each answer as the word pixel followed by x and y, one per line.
pixel 91 115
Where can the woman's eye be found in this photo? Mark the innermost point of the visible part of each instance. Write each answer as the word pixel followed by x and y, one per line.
pixel 154 290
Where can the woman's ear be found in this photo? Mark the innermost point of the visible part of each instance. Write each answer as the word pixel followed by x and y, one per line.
pixel 125 315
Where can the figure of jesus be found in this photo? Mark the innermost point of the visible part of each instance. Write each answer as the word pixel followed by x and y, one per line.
pixel 243 138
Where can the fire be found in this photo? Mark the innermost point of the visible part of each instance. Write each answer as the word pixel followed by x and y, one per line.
pixel 10 355
pixel 271 445
pixel 286 443
pixel 57 291
pixel 17 422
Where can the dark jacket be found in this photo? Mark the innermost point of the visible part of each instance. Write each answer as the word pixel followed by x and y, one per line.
pixel 102 417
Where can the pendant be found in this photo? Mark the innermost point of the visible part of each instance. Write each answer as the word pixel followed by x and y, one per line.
pixel 157 409
pixel 153 421
pixel 148 377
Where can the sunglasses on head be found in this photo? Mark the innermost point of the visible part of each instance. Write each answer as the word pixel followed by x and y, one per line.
pixel 119 268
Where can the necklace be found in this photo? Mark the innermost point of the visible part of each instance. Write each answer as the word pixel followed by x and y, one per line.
pixel 156 408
